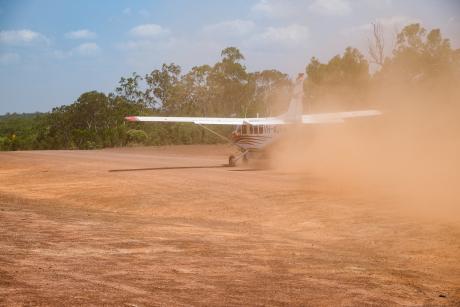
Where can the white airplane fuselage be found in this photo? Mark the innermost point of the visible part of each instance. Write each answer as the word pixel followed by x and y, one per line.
pixel 255 138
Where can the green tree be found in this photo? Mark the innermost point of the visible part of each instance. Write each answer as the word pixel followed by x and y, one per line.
pixel 421 56
pixel 271 93
pixel 229 83
pixel 197 94
pixel 341 83
pixel 164 89
pixel 129 89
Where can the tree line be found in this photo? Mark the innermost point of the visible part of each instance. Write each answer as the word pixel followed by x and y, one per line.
pixel 419 58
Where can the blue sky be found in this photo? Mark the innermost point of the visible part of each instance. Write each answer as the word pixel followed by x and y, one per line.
pixel 52 51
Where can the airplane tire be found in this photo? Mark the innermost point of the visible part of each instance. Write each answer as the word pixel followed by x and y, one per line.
pixel 231 161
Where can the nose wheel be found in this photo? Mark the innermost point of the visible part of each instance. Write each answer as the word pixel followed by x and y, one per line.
pixel 232 159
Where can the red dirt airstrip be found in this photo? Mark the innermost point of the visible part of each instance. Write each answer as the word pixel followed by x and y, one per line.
pixel 174 226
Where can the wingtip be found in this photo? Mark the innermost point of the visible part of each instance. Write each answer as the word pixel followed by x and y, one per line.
pixel 131 118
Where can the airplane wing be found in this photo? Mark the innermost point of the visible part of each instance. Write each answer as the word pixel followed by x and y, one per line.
pixel 208 120
pixel 319 118
pixel 338 117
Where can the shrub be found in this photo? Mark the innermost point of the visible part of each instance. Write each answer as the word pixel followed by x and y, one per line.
pixel 136 136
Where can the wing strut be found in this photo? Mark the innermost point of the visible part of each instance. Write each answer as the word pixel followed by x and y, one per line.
pixel 221 136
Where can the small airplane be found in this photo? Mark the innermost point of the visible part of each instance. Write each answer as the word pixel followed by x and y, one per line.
pixel 257 133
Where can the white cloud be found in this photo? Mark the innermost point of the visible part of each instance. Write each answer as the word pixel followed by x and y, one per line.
pixel 9 58
pixel 236 27
pixel 396 21
pixel 145 44
pixel 246 34
pixel 277 8
pixel 331 7
pixel 88 49
pixel 85 50
pixel 81 34
pixel 22 37
pixel 292 34
pixel 144 13
pixel 243 34
pixel 378 4
pixel 148 38
pixel 149 31
pixel 282 37
pixel 390 25
pixel 60 54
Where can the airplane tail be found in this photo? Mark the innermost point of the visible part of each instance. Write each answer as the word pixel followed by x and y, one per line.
pixel 295 109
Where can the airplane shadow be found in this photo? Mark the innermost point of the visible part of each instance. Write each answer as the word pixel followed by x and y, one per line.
pixel 185 167
pixel 166 168
pixel 247 169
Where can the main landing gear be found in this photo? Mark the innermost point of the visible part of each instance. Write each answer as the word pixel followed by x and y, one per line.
pixel 233 159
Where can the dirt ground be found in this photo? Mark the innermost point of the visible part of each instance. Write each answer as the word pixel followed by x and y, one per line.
pixel 174 226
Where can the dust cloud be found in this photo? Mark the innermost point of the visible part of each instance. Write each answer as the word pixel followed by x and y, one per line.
pixel 410 153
